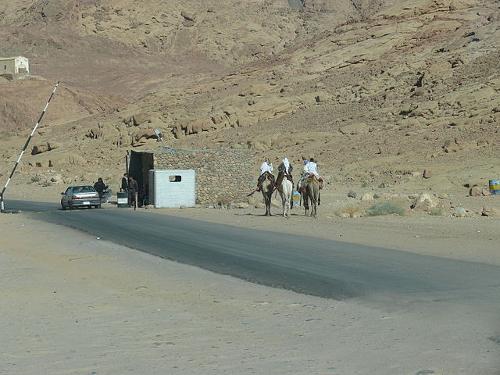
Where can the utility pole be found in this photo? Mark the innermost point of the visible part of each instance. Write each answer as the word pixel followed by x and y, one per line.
pixel 2 205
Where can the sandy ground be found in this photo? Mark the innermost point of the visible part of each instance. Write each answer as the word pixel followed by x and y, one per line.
pixel 73 304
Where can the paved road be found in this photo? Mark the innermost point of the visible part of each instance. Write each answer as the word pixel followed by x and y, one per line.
pixel 312 266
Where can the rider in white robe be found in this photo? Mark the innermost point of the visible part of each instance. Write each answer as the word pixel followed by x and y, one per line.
pixel 266 167
pixel 286 164
pixel 311 168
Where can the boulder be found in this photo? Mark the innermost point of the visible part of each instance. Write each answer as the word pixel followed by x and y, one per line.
pixel 459 212
pixel 44 147
pixel 137 119
pixel 367 197
pixel 425 202
pixel 141 118
pixel 188 16
pixel 40 148
pixel 198 126
pixel 352 194
pixel 427 174
pixel 141 136
pixel 475 191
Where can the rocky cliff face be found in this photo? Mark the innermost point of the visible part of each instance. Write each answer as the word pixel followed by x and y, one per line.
pixel 376 90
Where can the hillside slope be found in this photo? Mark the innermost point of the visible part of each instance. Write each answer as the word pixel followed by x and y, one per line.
pixel 377 91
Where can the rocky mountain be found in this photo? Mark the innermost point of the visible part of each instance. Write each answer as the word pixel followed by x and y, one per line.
pixel 377 91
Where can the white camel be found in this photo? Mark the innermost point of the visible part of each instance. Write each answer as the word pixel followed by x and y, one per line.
pixel 285 191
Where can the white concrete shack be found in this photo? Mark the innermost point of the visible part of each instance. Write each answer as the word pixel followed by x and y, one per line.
pixel 14 65
pixel 172 188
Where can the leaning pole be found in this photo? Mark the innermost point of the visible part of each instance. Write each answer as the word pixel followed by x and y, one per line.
pixel 2 205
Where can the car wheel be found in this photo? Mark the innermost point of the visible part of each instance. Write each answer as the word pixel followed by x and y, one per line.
pixel 63 207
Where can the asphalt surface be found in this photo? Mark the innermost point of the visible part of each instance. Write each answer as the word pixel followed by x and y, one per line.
pixel 306 265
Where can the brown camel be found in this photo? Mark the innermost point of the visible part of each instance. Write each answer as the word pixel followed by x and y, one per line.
pixel 267 191
pixel 310 195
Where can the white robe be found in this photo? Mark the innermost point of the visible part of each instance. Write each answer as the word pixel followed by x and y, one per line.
pixel 311 168
pixel 286 164
pixel 265 167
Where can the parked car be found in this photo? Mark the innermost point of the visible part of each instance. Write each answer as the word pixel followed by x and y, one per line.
pixel 80 196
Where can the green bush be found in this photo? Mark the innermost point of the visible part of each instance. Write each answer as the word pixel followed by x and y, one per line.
pixel 36 178
pixel 385 208
pixel 436 211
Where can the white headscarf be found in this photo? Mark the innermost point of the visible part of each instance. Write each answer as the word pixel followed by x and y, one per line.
pixel 286 164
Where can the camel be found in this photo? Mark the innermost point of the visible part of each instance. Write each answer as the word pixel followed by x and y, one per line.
pixel 285 190
pixel 310 194
pixel 267 191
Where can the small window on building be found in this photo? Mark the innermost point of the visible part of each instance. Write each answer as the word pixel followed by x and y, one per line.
pixel 175 178
pixel 5 67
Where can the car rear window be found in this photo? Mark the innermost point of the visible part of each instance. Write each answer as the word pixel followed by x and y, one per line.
pixel 83 189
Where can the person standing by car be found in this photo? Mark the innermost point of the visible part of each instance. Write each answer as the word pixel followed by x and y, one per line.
pixel 133 189
pixel 124 186
pixel 100 187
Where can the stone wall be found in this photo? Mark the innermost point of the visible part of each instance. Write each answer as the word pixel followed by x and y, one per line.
pixel 222 176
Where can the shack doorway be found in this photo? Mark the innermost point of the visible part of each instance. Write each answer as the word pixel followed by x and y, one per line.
pixel 139 166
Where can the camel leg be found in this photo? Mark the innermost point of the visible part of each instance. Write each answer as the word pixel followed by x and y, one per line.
pixel 305 201
pixel 318 203
pixel 283 203
pixel 268 204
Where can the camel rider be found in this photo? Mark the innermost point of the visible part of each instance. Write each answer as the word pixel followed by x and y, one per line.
pixel 266 169
pixel 310 169
pixel 284 170
pixel 266 166
pixel 287 166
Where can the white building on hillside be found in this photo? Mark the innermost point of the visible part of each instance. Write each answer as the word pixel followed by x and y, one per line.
pixel 14 65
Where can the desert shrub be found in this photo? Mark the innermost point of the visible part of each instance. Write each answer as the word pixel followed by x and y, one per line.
pixel 436 211
pixel 46 183
pixel 385 208
pixel 35 179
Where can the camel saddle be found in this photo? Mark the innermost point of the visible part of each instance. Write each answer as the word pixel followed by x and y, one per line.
pixel 265 176
pixel 309 178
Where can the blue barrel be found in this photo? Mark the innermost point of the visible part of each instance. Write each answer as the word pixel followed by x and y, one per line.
pixel 296 198
pixel 494 187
